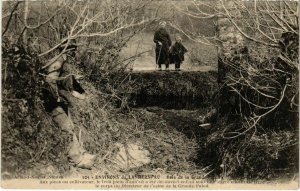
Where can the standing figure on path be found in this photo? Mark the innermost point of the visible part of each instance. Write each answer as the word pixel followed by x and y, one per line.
pixel 177 53
pixel 163 42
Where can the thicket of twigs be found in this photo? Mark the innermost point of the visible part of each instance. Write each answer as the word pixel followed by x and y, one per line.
pixel 32 144
pixel 268 106
pixel 256 135
pixel 29 136
pixel 32 31
pixel 256 132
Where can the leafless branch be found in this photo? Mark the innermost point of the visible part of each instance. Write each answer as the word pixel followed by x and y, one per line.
pixel 10 17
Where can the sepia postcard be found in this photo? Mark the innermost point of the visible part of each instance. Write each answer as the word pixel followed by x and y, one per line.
pixel 150 94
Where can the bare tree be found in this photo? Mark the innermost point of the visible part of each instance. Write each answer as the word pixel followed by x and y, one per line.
pixel 247 35
pixel 67 20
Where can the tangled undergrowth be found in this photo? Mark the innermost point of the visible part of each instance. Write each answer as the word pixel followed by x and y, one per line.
pixel 256 134
pixel 237 146
pixel 28 136
pixel 33 145
pixel 102 126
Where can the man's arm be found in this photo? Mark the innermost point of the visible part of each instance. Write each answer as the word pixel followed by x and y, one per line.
pixel 156 38
pixel 184 49
pixel 169 39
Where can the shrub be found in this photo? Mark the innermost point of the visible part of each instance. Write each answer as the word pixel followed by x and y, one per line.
pixel 28 133
pixel 258 115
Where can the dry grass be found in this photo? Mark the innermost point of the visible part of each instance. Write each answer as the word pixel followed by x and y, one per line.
pixel 103 127
pixel 100 126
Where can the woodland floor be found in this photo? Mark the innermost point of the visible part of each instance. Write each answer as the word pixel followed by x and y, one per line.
pixel 171 136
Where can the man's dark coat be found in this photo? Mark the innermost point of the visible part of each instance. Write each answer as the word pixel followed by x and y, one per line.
pixel 162 52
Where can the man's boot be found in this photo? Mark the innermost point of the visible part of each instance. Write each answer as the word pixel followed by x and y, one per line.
pixel 79 156
pixel 76 152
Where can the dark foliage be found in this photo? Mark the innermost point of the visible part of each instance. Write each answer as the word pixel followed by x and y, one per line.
pixel 29 136
pixel 257 115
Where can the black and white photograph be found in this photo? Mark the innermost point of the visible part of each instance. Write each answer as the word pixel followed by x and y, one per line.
pixel 150 94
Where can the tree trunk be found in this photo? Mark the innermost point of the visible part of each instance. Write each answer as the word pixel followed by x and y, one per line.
pixel 26 11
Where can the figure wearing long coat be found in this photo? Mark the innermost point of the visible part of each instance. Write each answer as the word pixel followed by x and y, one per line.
pixel 162 51
pixel 177 51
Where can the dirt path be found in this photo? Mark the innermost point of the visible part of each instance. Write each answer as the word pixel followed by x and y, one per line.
pixel 152 68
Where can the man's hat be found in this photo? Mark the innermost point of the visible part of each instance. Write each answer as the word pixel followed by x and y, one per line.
pixel 162 23
pixel 178 37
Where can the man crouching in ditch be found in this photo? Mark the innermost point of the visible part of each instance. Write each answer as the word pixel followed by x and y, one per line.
pixel 59 86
